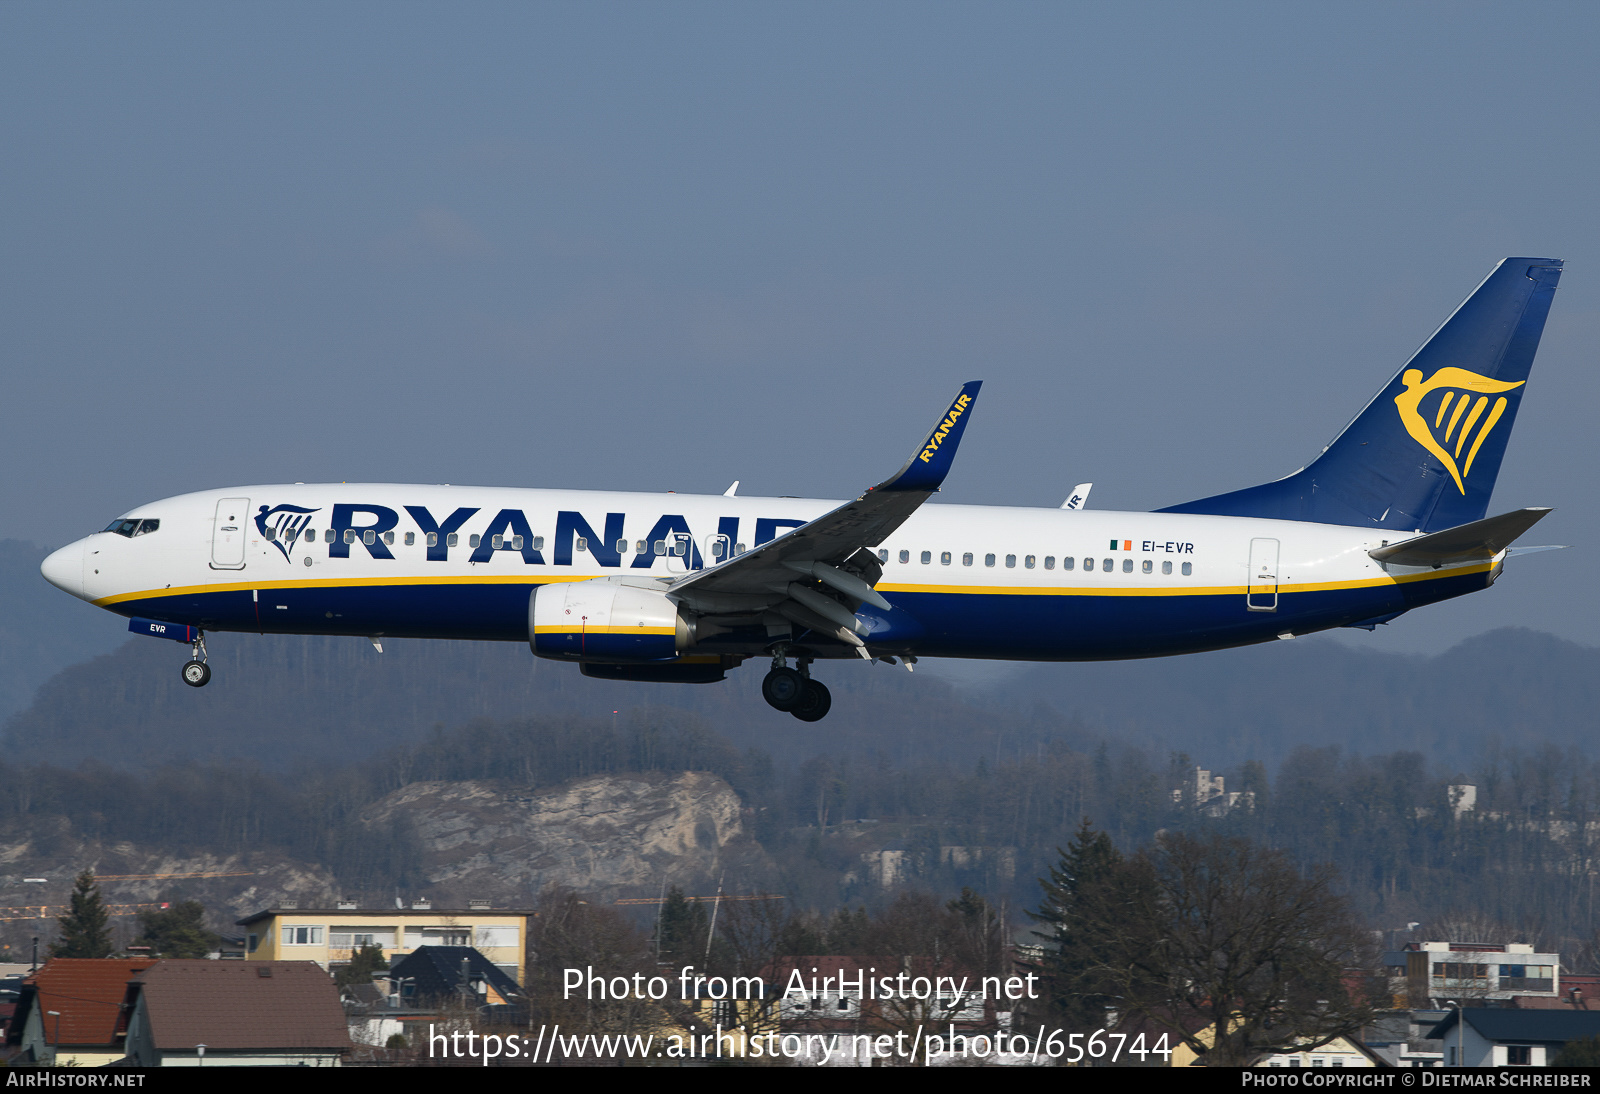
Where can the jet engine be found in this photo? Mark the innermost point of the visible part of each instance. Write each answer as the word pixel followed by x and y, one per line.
pixel 600 620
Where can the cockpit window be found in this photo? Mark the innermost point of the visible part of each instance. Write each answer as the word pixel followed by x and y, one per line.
pixel 131 528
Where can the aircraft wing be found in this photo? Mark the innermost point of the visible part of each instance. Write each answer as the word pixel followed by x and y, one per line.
pixel 817 575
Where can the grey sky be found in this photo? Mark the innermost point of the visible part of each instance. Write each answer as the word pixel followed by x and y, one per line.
pixel 668 246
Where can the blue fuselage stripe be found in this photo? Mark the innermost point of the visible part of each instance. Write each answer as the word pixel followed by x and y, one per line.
pixel 1053 627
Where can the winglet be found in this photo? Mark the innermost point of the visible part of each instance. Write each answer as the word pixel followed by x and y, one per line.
pixel 928 466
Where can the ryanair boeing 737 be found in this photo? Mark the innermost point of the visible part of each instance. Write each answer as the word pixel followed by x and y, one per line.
pixel 1391 516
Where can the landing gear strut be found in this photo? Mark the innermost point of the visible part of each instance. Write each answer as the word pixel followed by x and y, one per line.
pixel 793 691
pixel 196 673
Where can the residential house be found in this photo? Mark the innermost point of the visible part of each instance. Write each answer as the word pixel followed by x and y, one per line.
pixel 1507 1037
pixel 254 1013
pixel 1446 974
pixel 328 936
pixel 1400 1038
pixel 1339 1052
pixel 444 976
pixel 843 999
pixel 69 1011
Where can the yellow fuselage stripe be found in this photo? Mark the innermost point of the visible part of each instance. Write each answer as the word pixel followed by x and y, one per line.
pixel 604 630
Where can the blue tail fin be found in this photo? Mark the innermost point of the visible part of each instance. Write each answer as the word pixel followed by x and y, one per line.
pixel 1424 454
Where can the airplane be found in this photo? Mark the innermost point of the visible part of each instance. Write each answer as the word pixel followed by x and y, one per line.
pixel 1390 516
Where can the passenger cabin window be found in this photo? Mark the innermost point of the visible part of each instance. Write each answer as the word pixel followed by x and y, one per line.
pixel 1088 564
pixel 966 559
pixel 641 547
pixel 927 557
pixel 327 535
pixel 1027 562
pixel 622 548
pixel 988 560
pixel 660 547
pixel 516 543
pixel 369 537
pixel 944 558
pixel 450 540
pixel 1067 563
pixel 1108 564
pixel 1011 562
pixel 738 549
pixel 388 537
pixel 1127 565
pixel 349 535
pixel 272 534
pixel 499 541
pixel 538 543
pixel 580 543
pixel 905 556
pixel 1147 565
pixel 1188 568
pixel 474 540
pixel 883 556
pixel 1049 562
pixel 1166 567
pixel 411 537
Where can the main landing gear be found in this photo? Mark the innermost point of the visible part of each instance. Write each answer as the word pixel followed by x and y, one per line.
pixel 794 692
pixel 196 673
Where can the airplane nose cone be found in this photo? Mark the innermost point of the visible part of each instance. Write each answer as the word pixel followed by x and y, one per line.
pixel 64 569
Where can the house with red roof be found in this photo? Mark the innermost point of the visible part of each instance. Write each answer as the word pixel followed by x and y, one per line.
pixel 70 1011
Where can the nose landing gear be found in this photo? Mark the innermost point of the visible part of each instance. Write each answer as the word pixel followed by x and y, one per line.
pixel 196 673
pixel 793 691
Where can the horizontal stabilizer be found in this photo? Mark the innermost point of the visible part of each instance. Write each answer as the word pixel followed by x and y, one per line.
pixel 1478 541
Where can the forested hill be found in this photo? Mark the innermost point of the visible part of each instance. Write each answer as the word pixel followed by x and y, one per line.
pixel 1515 687
pixel 287 701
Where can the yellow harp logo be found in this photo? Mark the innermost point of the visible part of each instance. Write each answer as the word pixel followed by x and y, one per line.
pixel 1455 407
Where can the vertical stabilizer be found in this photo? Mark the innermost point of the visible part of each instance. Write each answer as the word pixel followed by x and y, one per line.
pixel 1425 453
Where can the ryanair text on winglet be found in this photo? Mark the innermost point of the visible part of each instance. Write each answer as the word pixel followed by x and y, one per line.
pixel 958 408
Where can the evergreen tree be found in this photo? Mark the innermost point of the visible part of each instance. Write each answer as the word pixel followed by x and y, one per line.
pixel 977 935
pixel 84 929
pixel 847 931
pixel 1088 892
pixel 364 962
pixel 178 930
pixel 681 934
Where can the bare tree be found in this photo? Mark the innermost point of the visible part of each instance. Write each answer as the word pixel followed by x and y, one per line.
pixel 567 932
pixel 1247 954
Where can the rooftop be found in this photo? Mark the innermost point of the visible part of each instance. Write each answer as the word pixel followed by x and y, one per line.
pixel 236 1005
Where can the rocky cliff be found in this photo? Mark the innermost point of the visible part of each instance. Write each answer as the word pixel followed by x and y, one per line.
pixel 609 836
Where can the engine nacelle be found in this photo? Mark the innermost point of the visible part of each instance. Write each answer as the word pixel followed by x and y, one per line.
pixel 605 621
